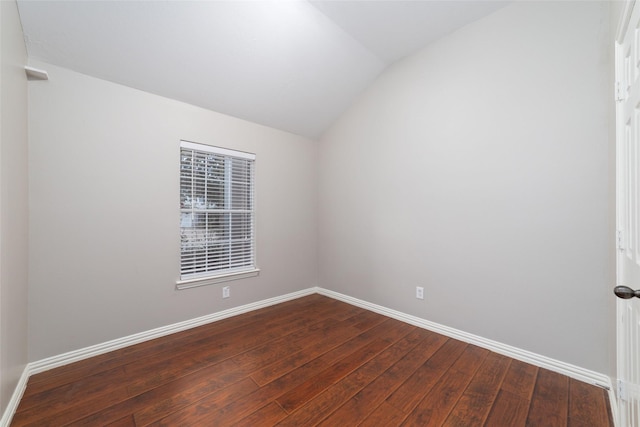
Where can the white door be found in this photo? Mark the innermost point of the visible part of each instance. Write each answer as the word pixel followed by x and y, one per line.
pixel 628 216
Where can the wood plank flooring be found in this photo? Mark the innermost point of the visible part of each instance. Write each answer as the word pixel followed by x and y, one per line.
pixel 311 361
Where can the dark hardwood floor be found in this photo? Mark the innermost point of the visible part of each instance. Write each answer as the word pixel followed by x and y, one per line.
pixel 311 361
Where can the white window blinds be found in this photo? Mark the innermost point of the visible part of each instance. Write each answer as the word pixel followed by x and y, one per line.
pixel 217 211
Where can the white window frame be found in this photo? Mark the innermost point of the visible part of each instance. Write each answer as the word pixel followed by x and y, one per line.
pixel 218 275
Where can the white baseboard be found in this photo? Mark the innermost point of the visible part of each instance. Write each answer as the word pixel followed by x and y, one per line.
pixel 613 404
pixel 95 350
pixel 15 398
pixel 567 369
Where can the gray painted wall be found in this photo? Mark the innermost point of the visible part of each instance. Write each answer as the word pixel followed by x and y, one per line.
pixel 13 202
pixel 104 237
pixel 479 169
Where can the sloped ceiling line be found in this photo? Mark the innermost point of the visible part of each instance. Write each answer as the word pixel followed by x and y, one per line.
pixel 293 65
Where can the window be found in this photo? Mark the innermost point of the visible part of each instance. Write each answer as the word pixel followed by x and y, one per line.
pixel 217 238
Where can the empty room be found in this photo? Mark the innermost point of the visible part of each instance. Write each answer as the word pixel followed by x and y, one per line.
pixel 337 213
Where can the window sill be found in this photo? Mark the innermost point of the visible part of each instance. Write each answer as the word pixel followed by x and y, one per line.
pixel 212 280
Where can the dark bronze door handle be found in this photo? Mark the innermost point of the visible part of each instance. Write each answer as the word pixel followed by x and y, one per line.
pixel 625 292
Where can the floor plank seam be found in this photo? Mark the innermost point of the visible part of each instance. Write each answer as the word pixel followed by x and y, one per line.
pixel 535 383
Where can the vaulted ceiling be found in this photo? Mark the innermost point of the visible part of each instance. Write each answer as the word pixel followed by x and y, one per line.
pixel 293 65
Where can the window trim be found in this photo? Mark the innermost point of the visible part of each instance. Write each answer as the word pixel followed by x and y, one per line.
pixel 219 278
pixel 217 150
pixel 211 278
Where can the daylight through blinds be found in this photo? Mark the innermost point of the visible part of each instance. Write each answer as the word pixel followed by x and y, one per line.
pixel 217 208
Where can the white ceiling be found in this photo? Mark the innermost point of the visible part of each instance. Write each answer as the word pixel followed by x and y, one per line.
pixel 289 64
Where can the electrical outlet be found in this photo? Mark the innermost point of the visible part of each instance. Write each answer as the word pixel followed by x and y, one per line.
pixel 226 292
pixel 419 292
